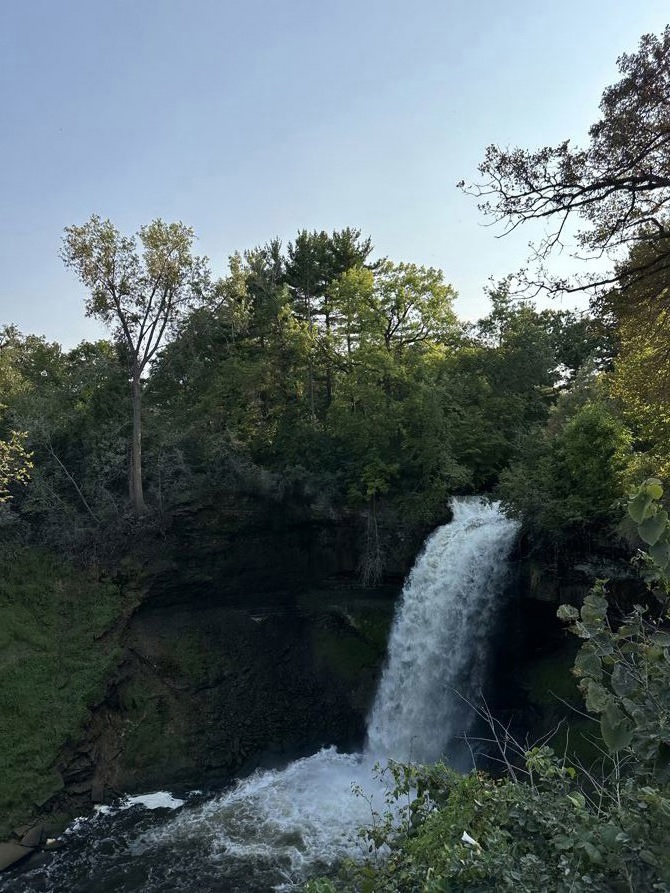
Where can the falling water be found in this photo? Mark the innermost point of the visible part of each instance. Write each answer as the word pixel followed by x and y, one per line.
pixel 439 643
pixel 275 828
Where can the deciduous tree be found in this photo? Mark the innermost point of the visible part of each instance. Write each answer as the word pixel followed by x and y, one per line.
pixel 15 463
pixel 140 286
pixel 618 187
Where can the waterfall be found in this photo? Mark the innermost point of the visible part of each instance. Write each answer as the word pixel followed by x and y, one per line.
pixel 439 642
pixel 275 828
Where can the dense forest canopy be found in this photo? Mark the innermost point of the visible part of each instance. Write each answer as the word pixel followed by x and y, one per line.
pixel 311 365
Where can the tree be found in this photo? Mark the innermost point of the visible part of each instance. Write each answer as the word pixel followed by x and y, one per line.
pixel 15 463
pixel 314 261
pixel 410 305
pixel 141 293
pixel 619 185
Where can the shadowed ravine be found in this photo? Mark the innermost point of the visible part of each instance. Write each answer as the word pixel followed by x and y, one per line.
pixel 274 828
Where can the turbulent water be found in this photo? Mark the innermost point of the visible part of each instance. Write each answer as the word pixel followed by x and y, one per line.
pixel 275 828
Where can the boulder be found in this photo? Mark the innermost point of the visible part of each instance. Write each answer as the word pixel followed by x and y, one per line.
pixel 35 837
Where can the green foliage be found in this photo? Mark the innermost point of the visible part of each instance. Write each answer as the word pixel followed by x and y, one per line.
pixel 57 644
pixel 15 463
pixel 571 475
pixel 74 408
pixel 478 833
pixel 342 381
pixel 624 673
pixel 314 363
pixel 142 293
pixel 507 376
pixel 138 289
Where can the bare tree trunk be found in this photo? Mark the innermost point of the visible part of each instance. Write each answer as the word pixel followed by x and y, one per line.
pixel 136 491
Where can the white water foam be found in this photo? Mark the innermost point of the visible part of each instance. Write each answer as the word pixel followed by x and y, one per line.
pixel 155 800
pixel 307 814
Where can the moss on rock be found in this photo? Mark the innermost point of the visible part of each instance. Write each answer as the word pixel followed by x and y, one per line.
pixel 55 653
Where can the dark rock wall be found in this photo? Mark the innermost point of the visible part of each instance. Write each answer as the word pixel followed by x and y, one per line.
pixel 204 694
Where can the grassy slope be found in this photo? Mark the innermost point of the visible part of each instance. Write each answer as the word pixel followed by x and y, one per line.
pixel 53 665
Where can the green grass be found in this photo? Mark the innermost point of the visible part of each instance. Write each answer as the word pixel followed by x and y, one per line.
pixel 54 660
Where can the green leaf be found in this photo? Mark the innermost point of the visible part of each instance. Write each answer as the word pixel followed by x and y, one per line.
pixel 609 833
pixel 653 487
pixel 616 729
pixel 562 841
pixel 653 527
pixel 598 698
pixel 567 612
pixel 660 554
pixel 587 663
pixel 577 800
pixel 593 852
pixel 639 506
pixel 623 682
pixel 594 611
pixel 596 603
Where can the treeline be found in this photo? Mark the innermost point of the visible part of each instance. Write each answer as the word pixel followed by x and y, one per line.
pixel 310 369
pixel 319 370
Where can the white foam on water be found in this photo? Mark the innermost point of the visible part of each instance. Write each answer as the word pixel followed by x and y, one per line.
pixel 155 800
pixel 304 815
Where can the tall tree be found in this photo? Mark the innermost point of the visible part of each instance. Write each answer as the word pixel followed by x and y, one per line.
pixel 618 186
pixel 314 261
pixel 141 291
pixel 410 305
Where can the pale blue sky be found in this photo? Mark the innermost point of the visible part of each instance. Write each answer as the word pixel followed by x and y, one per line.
pixel 250 120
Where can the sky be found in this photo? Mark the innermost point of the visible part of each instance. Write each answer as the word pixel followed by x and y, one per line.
pixel 248 119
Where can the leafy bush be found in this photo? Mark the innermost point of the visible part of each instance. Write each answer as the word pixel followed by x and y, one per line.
pixel 570 478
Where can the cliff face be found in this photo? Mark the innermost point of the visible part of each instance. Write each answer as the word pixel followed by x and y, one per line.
pixel 254 643
pixel 203 694
pixel 534 690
